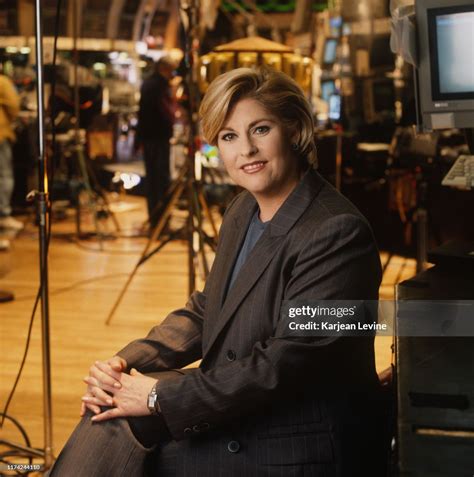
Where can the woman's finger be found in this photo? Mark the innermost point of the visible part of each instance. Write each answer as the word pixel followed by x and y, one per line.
pixel 95 383
pixel 94 408
pixel 94 400
pixel 117 363
pixel 102 396
pixel 105 375
pixel 109 414
pixel 108 370
pixel 84 406
pixel 90 397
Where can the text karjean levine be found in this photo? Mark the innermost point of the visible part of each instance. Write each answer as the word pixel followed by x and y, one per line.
pixel 337 327
pixel 323 318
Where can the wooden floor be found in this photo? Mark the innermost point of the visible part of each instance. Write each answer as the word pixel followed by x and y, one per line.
pixel 84 283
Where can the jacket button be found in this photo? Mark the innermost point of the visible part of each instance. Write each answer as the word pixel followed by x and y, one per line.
pixel 233 446
pixel 187 431
pixel 202 426
pixel 231 355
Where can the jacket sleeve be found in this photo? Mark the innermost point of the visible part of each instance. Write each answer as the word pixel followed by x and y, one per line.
pixel 174 343
pixel 177 341
pixel 339 261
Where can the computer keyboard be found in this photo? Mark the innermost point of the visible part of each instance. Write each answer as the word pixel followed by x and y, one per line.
pixel 461 173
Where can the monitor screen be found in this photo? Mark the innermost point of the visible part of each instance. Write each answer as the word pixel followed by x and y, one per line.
pixel 451 38
pixel 330 50
pixel 335 24
pixel 335 107
pixel 327 88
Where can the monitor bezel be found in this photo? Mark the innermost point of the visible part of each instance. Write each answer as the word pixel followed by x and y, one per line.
pixel 432 14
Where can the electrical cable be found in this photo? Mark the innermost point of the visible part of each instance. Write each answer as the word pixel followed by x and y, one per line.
pixel 81 246
pixel 14 453
pixel 74 285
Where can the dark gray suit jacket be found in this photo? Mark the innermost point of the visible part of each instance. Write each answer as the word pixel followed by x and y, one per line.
pixel 261 403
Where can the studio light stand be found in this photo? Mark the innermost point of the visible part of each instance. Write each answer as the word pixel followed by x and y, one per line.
pixel 187 186
pixel 42 201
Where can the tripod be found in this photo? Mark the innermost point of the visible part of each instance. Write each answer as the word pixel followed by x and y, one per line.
pixel 187 186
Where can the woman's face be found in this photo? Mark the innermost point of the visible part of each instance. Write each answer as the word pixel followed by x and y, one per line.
pixel 256 151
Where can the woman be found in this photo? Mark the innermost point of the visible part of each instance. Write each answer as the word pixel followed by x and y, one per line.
pixel 261 403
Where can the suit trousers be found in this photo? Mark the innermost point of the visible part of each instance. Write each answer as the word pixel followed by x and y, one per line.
pixel 156 154
pixel 122 447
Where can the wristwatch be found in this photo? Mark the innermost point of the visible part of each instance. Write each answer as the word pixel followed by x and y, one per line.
pixel 152 402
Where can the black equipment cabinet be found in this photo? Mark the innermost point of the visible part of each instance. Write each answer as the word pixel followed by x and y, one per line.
pixel 435 385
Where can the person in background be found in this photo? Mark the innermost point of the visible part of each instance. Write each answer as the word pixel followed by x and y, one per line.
pixel 154 130
pixel 9 109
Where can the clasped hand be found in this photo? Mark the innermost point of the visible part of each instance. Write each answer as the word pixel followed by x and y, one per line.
pixel 108 385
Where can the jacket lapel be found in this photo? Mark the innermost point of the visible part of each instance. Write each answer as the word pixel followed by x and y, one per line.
pixel 263 252
pixel 224 261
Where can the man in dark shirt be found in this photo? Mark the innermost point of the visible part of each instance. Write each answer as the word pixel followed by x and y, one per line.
pixel 155 127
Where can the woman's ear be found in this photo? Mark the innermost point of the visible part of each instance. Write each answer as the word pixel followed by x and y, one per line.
pixel 295 139
pixel 294 134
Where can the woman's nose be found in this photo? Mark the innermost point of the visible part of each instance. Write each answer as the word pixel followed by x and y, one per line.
pixel 249 149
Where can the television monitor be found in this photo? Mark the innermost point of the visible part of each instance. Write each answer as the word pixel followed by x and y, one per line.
pixel 335 25
pixel 330 51
pixel 379 99
pixel 335 107
pixel 328 87
pixel 445 89
pixel 452 69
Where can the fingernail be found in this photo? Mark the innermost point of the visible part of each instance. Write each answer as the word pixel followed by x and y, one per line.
pixel 85 398
pixel 94 418
pixel 109 401
pixel 117 385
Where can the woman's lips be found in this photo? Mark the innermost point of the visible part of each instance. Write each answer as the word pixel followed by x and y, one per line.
pixel 253 167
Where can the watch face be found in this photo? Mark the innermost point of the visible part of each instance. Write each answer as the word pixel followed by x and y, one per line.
pixel 151 402
pixel 153 405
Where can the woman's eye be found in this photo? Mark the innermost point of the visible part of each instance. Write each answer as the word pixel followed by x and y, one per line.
pixel 227 137
pixel 262 129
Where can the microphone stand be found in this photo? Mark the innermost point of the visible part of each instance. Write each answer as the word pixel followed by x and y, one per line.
pixel 41 197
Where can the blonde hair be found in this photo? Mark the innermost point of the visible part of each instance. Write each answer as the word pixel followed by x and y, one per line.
pixel 274 90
